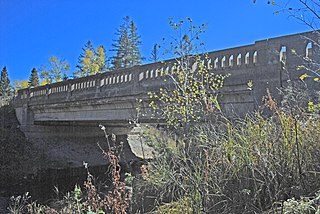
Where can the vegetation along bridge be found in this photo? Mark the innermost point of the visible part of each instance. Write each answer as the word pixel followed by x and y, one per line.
pixel 74 108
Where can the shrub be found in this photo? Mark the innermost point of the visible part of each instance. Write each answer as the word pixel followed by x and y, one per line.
pixel 243 166
pixel 84 200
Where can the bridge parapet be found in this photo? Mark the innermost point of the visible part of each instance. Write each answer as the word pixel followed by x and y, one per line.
pixel 66 114
pixel 261 62
pixel 65 89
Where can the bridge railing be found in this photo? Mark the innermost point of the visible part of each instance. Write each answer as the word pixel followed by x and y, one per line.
pixel 108 79
pixel 220 61
pixel 262 53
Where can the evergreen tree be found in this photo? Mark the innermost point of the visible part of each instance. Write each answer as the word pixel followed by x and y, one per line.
pixel 135 42
pixel 85 59
pixel 126 46
pixel 121 47
pixel 34 78
pixel 91 61
pixel 154 54
pixel 5 86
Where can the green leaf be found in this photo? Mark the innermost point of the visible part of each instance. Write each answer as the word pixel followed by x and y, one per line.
pixel 303 76
pixel 250 85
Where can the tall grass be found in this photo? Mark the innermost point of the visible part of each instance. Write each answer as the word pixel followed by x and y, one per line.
pixel 253 165
pixel 250 165
pixel 86 199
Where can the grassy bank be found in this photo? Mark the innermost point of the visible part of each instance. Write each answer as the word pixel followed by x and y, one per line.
pixel 257 164
pixel 252 165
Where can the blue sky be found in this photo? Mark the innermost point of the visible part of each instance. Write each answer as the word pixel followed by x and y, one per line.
pixel 33 30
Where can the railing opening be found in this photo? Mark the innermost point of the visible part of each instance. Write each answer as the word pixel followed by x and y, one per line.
pixel 283 54
pixel 231 61
pixel 239 59
pixel 309 50
pixel 247 58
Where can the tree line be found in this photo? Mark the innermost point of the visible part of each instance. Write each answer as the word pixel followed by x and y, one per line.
pixel 91 61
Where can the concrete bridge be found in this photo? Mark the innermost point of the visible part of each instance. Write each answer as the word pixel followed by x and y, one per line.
pixel 76 107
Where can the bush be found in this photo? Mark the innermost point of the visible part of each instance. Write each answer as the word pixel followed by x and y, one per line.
pixel 87 199
pixel 243 166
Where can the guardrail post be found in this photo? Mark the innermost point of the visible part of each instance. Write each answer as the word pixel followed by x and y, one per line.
pixel 68 91
pixel 47 91
pixel 135 80
pixel 97 85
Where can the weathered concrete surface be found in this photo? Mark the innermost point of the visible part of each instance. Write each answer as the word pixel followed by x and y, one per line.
pixel 4 203
pixel 139 145
pixel 111 98
pixel 71 145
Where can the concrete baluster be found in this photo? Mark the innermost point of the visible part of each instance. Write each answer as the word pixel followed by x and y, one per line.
pixel 168 71
pixel 27 114
pixel 28 95
pixel 135 79
pixel 97 82
pixel 47 91
pixel 69 91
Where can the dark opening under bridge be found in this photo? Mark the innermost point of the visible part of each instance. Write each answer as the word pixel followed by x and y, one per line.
pixel 111 98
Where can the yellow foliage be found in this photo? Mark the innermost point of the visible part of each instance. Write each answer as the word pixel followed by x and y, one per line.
pixel 194 95
pixel 303 76
pixel 178 207
pixel 44 82
pixel 250 85
pixel 21 84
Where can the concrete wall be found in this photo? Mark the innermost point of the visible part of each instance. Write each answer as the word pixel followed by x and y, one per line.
pixel 111 98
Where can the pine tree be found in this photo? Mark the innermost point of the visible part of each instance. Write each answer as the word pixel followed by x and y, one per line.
pixel 85 59
pixel 34 78
pixel 126 46
pixel 135 42
pixel 120 47
pixel 91 61
pixel 5 86
pixel 154 54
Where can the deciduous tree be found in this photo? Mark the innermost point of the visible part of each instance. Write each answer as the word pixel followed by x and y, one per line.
pixel 20 84
pixel 295 95
pixel 100 59
pixel 55 71
pixel 91 61
pixel 195 85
